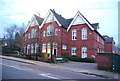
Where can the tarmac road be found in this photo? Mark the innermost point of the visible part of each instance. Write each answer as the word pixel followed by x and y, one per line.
pixel 18 70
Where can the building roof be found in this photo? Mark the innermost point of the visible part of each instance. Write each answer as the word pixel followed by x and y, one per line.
pixel 108 39
pixel 39 19
pixel 95 26
pixel 64 22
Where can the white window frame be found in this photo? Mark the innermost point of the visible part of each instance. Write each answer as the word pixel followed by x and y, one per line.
pixel 48 48
pixel 44 33
pixel 64 47
pixel 74 34
pixel 28 47
pixel 36 47
pixel 32 48
pixel 84 33
pixel 49 30
pixel 33 33
pixel 29 35
pixel 56 31
pixel 44 47
pixel 74 51
pixel 84 52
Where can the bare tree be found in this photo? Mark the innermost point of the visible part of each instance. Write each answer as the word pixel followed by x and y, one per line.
pixel 18 35
pixel 10 33
pixel 13 34
pixel 21 29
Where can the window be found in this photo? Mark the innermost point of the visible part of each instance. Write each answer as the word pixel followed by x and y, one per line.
pixel 74 34
pixel 64 47
pixel 32 48
pixel 29 35
pixel 28 47
pixel 98 38
pixel 33 33
pixel 26 35
pixel 49 30
pixel 56 31
pixel 48 48
pixel 98 50
pixel 44 33
pixel 36 47
pixel 84 52
pixel 44 48
pixel 74 50
pixel 84 34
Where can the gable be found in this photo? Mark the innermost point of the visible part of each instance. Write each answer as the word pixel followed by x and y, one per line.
pixel 33 22
pixel 78 20
pixel 49 18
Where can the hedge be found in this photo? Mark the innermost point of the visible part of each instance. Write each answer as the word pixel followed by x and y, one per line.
pixel 79 59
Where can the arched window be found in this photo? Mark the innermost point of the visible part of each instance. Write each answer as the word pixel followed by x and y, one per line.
pixel 84 52
pixel 84 34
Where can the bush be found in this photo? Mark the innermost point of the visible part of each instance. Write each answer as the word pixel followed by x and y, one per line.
pixel 79 59
pixel 65 59
pixel 75 58
pixel 90 60
pixel 10 49
pixel 44 55
pixel 65 55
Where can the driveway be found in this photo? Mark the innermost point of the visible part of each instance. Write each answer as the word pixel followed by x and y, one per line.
pixel 80 65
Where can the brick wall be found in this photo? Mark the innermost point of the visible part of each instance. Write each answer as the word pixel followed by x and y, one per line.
pixel 104 61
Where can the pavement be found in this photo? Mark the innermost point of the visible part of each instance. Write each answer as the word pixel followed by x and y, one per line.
pixel 80 67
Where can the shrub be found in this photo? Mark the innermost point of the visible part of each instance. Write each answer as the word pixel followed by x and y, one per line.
pixel 65 55
pixel 90 60
pixel 75 58
pixel 65 59
pixel 79 59
pixel 44 55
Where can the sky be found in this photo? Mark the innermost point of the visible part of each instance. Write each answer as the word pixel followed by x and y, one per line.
pixel 104 12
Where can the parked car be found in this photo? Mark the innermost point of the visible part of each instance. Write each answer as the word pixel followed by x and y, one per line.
pixel 17 52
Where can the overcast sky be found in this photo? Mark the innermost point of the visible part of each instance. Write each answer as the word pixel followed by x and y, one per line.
pixel 104 12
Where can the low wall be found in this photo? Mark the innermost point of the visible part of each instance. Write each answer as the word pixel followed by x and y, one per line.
pixel 104 61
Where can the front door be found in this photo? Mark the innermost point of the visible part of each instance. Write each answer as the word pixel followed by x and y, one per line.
pixel 55 51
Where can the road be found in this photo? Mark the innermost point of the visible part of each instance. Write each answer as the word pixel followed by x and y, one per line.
pixel 18 70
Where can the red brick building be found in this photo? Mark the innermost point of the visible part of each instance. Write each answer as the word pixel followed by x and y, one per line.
pixel 76 36
pixel 109 44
